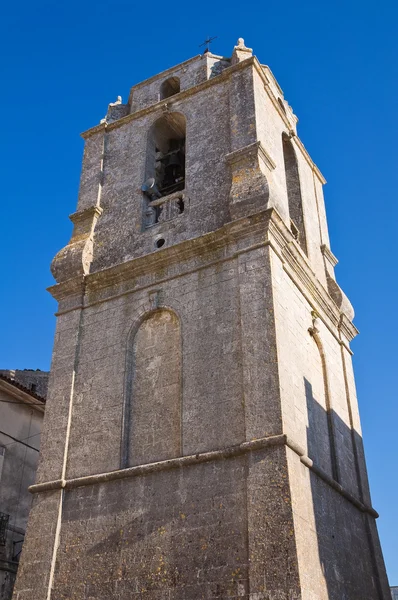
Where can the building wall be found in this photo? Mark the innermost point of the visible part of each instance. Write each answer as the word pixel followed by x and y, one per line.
pixel 34 380
pixel 18 467
pixel 322 418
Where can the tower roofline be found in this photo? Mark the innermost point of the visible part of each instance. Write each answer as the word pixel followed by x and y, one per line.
pixel 173 68
pixel 225 74
pixel 163 73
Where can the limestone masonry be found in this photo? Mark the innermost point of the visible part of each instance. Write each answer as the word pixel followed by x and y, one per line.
pixel 202 436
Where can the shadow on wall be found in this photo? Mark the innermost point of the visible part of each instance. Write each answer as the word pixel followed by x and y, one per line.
pixel 348 545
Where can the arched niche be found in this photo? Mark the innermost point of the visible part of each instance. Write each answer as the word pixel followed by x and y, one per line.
pixel 321 442
pixel 153 394
pixel 294 192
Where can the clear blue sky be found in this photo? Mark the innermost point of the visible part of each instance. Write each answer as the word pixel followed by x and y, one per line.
pixel 337 62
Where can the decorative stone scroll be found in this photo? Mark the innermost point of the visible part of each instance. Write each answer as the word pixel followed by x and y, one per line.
pixel 76 257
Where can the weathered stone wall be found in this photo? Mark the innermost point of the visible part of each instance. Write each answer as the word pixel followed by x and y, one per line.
pixel 153 398
pixel 320 414
pixel 190 74
pixel 303 383
pixel 119 233
pixel 335 556
pixel 207 300
pixel 271 124
pixel 221 355
pixel 181 533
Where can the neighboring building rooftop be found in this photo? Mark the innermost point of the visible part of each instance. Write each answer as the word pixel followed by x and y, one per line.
pixel 394 592
pixel 28 380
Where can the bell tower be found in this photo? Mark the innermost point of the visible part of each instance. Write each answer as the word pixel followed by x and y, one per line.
pixel 202 434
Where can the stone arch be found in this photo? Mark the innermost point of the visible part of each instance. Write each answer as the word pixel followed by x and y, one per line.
pixel 165 163
pixel 153 389
pixel 169 87
pixel 293 188
pixel 166 136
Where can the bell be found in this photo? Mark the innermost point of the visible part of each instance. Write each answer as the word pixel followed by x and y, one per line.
pixel 174 160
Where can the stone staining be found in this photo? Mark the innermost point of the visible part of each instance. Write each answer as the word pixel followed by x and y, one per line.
pixel 202 435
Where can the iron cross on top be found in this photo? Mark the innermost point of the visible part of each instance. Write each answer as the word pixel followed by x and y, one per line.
pixel 207 43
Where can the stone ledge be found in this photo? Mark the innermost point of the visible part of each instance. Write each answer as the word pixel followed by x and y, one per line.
pixel 164 465
pixel 309 463
pixel 255 149
pixel 87 213
pixel 267 224
pixel 204 457
pixel 270 230
pixel 328 254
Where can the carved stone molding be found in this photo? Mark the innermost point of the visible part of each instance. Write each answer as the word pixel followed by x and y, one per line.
pixel 200 458
pixel 347 328
pixel 249 187
pixel 252 150
pixel 265 228
pixel 328 254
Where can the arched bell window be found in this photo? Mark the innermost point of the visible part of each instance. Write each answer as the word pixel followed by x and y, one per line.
pixel 169 87
pixel 165 168
pixel 294 192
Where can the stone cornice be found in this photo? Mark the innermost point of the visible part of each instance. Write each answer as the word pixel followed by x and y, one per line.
pixel 87 213
pixel 328 254
pixel 297 267
pixel 224 244
pixel 347 328
pixel 256 148
pixel 309 463
pixel 200 249
pixel 66 289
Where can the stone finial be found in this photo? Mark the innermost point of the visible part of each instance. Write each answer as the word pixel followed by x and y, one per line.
pixel 118 101
pixel 116 110
pixel 241 52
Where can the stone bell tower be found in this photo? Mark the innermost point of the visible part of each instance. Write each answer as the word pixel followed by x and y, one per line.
pixel 202 436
